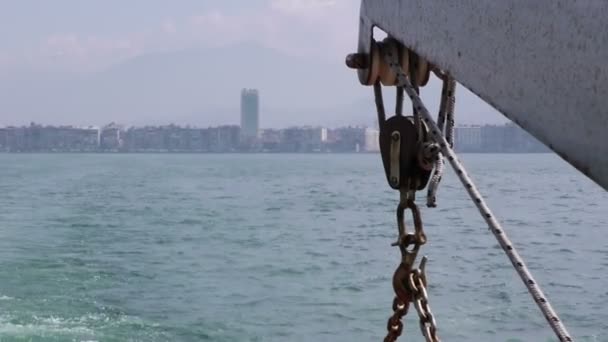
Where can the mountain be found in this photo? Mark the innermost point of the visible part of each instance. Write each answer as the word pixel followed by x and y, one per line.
pixel 200 87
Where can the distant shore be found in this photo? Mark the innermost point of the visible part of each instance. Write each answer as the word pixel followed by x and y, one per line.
pixel 241 152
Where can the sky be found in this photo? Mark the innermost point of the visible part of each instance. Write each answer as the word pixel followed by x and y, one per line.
pixel 87 35
pixel 50 42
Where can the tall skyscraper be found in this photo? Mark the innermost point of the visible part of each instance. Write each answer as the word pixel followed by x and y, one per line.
pixel 250 113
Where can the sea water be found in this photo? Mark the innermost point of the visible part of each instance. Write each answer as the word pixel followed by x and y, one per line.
pixel 280 247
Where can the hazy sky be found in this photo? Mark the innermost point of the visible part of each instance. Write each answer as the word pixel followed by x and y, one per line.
pixel 47 49
pixel 80 35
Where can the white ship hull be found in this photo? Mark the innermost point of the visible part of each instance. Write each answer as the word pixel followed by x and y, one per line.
pixel 540 63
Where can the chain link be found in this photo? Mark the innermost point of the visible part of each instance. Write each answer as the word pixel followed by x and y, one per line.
pixel 409 283
pixel 394 324
pixel 402 299
pixel 417 283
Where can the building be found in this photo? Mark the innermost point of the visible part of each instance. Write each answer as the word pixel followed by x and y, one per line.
pixel 250 114
pixel 78 139
pixel 467 138
pixel 493 138
pixel 346 139
pixel 223 138
pixel 270 140
pixel 508 138
pixel 16 139
pixel 372 140
pixel 4 141
pixel 518 140
pixel 39 138
pixel 304 139
pixel 110 137
pixel 178 139
pixel 9 139
pixel 144 139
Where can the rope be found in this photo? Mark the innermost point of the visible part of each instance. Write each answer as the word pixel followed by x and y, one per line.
pixel 451 99
pixel 414 86
pixel 431 196
pixel 443 105
pixel 399 104
pixel 494 226
pixel 379 103
pixel 446 108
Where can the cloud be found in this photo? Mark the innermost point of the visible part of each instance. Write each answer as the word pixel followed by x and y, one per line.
pixel 302 6
pixel 5 60
pixel 215 28
pixel 78 52
pixel 169 27
pixel 315 28
pixel 321 29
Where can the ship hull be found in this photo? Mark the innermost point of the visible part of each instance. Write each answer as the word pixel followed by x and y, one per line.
pixel 540 63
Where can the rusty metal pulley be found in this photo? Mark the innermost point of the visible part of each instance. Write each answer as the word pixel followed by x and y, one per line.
pixel 375 68
pixel 404 140
pixel 400 149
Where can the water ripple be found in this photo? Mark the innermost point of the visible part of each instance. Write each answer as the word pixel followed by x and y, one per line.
pixel 284 248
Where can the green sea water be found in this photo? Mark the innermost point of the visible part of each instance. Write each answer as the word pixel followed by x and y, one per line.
pixel 196 247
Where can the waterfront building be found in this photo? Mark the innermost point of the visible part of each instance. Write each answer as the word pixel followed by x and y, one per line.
pixel 372 140
pixel 250 114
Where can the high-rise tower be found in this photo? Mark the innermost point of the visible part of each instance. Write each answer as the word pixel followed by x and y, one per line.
pixel 250 113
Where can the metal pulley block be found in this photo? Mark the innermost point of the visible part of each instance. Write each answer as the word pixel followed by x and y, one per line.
pixel 373 67
pixel 400 148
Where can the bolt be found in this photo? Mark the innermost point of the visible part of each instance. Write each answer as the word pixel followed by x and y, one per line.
pixel 394 181
pixel 357 61
pixel 395 135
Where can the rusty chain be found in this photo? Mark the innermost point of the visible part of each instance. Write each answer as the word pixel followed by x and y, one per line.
pixel 409 283
pixel 394 326
pixel 417 283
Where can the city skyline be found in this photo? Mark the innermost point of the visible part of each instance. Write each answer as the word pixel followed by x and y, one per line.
pixel 229 138
pixel 27 123
pixel 245 137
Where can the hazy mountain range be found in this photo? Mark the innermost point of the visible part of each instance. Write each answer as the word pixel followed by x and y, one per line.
pixel 202 87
